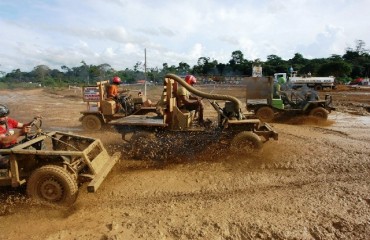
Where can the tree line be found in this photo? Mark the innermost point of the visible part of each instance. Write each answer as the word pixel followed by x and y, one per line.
pixel 354 63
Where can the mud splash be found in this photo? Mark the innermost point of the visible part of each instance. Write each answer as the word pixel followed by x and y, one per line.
pixel 309 120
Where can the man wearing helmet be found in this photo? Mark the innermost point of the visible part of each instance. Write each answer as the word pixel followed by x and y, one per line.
pixel 113 91
pixel 186 101
pixel 8 136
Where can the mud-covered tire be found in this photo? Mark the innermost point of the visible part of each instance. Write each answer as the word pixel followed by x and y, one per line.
pixel 52 184
pixel 91 122
pixel 319 112
pixel 318 87
pixel 142 145
pixel 245 143
pixel 265 114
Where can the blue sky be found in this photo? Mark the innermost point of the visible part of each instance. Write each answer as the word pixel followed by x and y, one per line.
pixel 65 32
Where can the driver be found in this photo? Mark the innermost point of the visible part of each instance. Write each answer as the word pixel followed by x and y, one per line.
pixel 190 102
pixel 113 91
pixel 8 136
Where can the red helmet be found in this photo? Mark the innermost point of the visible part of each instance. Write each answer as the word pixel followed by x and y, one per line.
pixel 190 79
pixel 117 79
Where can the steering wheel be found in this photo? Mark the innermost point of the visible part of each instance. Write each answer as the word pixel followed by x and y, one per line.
pixel 35 129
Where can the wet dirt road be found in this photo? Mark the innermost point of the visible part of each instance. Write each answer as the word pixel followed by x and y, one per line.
pixel 313 183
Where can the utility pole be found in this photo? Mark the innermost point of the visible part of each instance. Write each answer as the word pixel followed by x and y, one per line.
pixel 145 71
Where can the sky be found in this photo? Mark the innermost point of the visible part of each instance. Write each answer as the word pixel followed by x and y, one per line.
pixel 117 32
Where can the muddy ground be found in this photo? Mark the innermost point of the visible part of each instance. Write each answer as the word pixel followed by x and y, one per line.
pixel 313 183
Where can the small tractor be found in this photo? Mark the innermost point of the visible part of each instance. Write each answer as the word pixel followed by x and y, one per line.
pixel 156 136
pixel 267 107
pixel 101 110
pixel 52 165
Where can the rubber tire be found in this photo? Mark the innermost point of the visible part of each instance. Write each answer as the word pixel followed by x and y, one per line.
pixel 245 142
pixel 68 189
pixel 142 145
pixel 318 87
pixel 265 114
pixel 319 112
pixel 91 123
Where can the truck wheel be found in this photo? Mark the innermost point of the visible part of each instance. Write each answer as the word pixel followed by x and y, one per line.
pixel 143 145
pixel 265 114
pixel 319 112
pixel 318 87
pixel 52 184
pixel 91 123
pixel 245 143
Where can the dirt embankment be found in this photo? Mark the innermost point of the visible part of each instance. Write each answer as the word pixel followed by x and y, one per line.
pixel 313 183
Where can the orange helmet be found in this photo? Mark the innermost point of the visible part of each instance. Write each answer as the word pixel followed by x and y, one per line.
pixel 117 80
pixel 190 79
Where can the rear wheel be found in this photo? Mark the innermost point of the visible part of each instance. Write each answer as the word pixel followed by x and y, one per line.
pixel 318 87
pixel 52 184
pixel 319 112
pixel 245 143
pixel 265 114
pixel 91 123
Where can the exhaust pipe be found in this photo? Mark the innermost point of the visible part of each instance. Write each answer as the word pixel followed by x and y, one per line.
pixel 237 103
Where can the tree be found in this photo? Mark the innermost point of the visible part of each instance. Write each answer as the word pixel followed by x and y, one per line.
pixel 237 57
pixel 240 65
pixel 313 66
pixel 359 59
pixel 336 67
pixel 41 71
pixel 86 71
pixel 298 62
pixel 56 74
pixel 275 64
pixel 220 68
pixel 183 68
pixel 205 66
pixel 106 71
pixel 138 66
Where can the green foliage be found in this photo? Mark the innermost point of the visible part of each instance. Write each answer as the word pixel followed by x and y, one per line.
pixel 275 64
pixel 343 80
pixel 335 67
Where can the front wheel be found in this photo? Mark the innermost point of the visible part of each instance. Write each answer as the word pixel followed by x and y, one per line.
pixel 265 114
pixel 52 184
pixel 91 123
pixel 245 143
pixel 319 112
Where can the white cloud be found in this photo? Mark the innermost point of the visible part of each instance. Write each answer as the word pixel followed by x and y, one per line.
pixel 64 32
